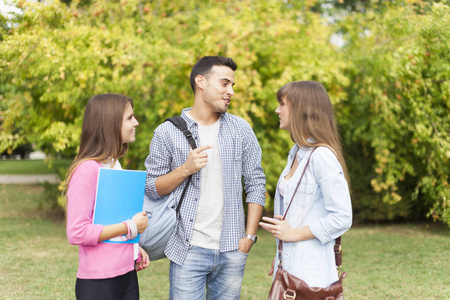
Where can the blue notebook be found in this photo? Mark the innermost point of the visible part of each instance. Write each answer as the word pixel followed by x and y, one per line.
pixel 120 195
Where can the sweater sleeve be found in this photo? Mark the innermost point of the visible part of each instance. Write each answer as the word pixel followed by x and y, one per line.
pixel 80 205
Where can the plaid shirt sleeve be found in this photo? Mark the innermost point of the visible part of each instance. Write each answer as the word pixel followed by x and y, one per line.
pixel 158 162
pixel 252 171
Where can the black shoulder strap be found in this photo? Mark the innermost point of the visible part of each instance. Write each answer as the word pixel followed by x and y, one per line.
pixel 180 123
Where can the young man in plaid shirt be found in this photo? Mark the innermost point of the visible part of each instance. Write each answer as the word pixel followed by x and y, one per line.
pixel 209 246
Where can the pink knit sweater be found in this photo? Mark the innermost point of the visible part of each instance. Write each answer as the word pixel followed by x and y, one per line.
pixel 96 260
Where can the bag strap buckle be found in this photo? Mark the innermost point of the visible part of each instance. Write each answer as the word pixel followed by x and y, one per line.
pixel 289 294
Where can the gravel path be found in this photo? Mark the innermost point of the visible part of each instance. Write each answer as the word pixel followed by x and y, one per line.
pixel 28 179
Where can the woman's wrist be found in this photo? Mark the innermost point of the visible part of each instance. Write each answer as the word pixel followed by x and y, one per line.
pixel 132 231
pixel 301 234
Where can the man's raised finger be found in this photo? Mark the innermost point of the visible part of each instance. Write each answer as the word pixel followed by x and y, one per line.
pixel 202 148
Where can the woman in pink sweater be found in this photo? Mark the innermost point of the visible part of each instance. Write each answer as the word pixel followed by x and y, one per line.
pixel 105 270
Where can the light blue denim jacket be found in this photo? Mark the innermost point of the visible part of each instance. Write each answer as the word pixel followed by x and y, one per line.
pixel 322 201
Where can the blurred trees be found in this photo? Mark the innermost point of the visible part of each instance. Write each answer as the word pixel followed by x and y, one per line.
pixel 395 119
pixel 389 83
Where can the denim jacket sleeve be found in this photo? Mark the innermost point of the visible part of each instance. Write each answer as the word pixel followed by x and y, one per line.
pixel 336 196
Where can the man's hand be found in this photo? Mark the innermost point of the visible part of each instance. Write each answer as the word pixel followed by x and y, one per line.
pixel 245 244
pixel 196 160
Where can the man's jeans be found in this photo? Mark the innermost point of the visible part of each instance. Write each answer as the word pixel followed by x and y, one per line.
pixel 220 273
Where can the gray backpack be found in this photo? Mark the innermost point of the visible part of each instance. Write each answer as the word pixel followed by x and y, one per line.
pixel 163 214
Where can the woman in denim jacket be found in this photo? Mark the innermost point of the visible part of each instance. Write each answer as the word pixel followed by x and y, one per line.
pixel 321 208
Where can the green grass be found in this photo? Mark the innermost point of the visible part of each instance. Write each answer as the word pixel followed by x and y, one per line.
pixel 382 262
pixel 15 167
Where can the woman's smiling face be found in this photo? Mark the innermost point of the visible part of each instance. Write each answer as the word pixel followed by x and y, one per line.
pixel 129 124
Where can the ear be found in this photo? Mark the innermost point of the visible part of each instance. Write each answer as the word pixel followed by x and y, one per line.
pixel 200 81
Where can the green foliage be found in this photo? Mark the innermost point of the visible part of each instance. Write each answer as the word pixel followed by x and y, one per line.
pixel 388 84
pixel 3 26
pixel 396 117
pixel 50 197
pixel 59 56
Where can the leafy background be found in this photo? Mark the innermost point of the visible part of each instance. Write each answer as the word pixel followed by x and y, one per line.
pixel 388 81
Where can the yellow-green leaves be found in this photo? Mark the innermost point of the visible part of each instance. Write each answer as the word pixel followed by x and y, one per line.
pixel 389 83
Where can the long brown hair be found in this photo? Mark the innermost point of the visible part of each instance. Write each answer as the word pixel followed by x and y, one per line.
pixel 101 133
pixel 311 115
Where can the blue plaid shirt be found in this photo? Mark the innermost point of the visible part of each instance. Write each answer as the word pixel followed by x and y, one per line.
pixel 240 155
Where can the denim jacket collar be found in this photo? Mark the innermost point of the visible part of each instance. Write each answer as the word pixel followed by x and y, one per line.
pixel 301 151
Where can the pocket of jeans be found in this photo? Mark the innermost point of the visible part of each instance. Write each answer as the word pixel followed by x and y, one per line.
pixel 242 253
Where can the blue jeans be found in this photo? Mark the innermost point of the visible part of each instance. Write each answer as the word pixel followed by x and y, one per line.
pixel 220 273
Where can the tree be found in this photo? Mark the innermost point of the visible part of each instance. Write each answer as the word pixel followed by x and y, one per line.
pixel 389 83
pixel 60 55
pixel 396 117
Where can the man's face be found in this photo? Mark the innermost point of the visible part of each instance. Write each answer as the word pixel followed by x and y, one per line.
pixel 218 88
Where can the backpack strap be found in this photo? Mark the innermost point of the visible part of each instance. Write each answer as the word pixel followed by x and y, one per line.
pixel 180 123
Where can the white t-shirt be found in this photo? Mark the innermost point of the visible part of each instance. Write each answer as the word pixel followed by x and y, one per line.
pixel 208 223
pixel 282 186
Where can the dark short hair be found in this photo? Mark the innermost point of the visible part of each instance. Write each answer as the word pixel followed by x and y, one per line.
pixel 206 63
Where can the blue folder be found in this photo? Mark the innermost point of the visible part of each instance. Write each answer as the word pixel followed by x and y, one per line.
pixel 120 195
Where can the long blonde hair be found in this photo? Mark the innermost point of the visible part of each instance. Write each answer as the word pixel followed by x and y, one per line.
pixel 312 116
pixel 101 134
